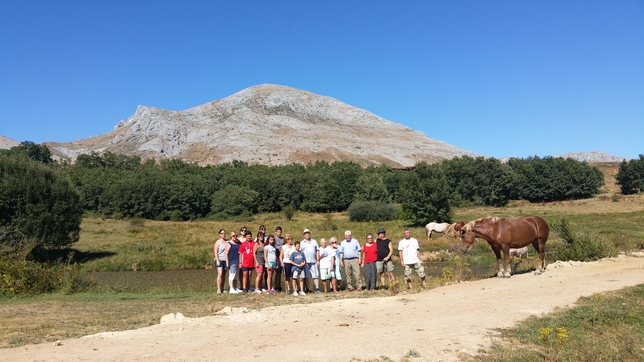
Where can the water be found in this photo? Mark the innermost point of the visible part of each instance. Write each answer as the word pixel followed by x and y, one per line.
pixel 203 280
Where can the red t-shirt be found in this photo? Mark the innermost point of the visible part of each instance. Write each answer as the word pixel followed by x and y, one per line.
pixel 246 254
pixel 370 252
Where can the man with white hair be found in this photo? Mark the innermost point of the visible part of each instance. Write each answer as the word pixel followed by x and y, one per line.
pixel 350 253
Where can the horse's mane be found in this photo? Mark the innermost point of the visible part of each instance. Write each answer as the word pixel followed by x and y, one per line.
pixel 493 219
pixel 469 225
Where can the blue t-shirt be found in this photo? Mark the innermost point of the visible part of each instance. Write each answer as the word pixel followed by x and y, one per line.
pixel 297 257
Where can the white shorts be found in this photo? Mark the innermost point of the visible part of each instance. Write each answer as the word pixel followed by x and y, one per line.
pixel 326 273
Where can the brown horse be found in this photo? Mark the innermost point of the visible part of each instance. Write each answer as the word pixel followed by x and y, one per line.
pixel 503 234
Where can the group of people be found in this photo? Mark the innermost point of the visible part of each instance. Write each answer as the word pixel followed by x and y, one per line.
pixel 271 256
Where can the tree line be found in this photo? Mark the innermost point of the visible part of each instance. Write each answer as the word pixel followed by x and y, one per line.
pixel 39 195
pixel 171 189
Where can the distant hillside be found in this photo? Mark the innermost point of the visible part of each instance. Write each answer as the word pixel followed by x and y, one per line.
pixel 7 143
pixel 594 156
pixel 266 124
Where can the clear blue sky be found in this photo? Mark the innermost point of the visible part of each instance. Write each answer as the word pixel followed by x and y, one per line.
pixel 501 78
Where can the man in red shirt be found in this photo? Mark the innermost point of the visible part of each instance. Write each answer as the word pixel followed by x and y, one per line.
pixel 246 260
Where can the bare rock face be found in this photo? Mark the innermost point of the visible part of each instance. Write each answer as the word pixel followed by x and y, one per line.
pixel 594 156
pixel 7 143
pixel 266 124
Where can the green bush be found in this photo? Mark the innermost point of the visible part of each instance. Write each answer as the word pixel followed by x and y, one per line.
pixel 39 207
pixel 371 211
pixel 579 245
pixel 288 211
pixel 19 277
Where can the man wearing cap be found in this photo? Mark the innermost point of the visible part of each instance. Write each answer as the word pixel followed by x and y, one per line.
pixel 385 250
pixel 350 253
pixel 310 249
pixel 409 251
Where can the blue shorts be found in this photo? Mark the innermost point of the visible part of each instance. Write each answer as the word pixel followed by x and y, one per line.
pixel 222 264
pixel 250 269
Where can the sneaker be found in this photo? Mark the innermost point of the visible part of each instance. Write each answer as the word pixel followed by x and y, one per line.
pixel 233 291
pixel 264 290
pixel 318 291
pixel 359 289
pixel 244 292
pixel 258 291
pixel 302 293
pixel 294 293
pixel 272 291
pixel 219 292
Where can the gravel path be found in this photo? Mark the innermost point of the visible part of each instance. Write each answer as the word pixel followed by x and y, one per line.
pixel 439 324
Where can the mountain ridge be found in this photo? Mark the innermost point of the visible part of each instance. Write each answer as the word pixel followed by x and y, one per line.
pixel 266 124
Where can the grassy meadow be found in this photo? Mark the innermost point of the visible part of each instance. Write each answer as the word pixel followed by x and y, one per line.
pixel 166 267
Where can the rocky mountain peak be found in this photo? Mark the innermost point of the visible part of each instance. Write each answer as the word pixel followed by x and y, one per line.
pixel 266 124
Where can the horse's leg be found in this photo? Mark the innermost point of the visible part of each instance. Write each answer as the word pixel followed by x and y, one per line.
pixel 497 252
pixel 508 267
pixel 541 247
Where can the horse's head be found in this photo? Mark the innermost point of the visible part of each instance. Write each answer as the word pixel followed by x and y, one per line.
pixel 467 240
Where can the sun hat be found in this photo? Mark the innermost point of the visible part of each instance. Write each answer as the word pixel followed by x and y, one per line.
pixel 306 231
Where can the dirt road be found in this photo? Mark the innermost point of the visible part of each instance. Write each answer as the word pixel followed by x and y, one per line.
pixel 438 324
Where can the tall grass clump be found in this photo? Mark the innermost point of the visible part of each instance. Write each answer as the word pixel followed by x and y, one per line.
pixel 22 277
pixel 580 244
pixel 371 211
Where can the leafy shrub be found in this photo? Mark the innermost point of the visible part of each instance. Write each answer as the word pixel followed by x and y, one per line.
pixel 580 245
pixel 18 277
pixel 39 207
pixel 371 211
pixel 288 211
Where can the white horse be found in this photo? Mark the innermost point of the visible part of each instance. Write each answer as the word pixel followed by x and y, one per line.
pixel 520 252
pixel 435 227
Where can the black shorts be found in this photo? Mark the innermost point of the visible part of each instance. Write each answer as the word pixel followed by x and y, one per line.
pixel 287 270
pixel 222 264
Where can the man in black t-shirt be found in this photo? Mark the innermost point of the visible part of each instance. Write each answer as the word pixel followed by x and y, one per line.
pixel 383 257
